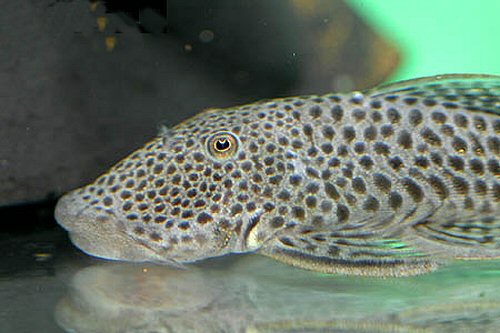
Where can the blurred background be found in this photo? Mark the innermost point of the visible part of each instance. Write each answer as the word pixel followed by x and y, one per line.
pixel 83 83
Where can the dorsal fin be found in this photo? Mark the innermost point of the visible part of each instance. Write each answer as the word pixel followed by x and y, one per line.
pixel 474 92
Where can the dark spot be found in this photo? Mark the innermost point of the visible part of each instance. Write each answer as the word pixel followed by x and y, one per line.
pixel 311 172
pixel 298 212
pixel 187 214
pixel 436 158
pixel 139 230
pixel 158 168
pixel 447 130
pixel 132 217
pixel 130 183
pixel 250 207
pixel 459 145
pixel 342 213
pixel 395 200
pixel 375 104
pixel 461 185
pixel 277 222
pixel 415 117
pixel 313 151
pixel 268 206
pixel 204 217
pixel 331 191
pixel 438 186
pixel 328 132
pixel 480 187
pixel 410 100
pixel 349 133
pixel 371 204
pixel 146 217
pixel 405 140
pixel 382 182
pixel 494 145
pixel 456 162
pixel 337 113
pixel 413 189
pixel 430 137
pixel 142 206
pixel 449 105
pixel 315 111
pixel 476 166
pixel 381 148
pixel 494 167
pixel 184 225
pixel 460 120
pixel 242 197
pixel 393 116
pixel 326 206
pixel 438 117
pixel 159 208
pixel 297 144
pixel 283 141
pixel 342 150
pixel 107 201
pixel 312 187
pixel 270 148
pixel 341 181
pixel 155 237
pixel 358 185
pixel 396 163
pixel 127 206
pixel 386 130
pixel 366 162
pixel 376 116
pixel 359 147
pixel 311 201
pixel 429 102
pixel 370 133
pixel 125 194
pixel 284 195
pixel 327 148
pixel 421 162
pixel 468 203
pixel 236 209
pixel 358 114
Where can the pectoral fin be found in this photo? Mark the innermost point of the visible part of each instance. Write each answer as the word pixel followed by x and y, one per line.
pixel 462 238
pixel 361 254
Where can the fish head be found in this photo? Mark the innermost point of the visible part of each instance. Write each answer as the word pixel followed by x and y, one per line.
pixel 188 194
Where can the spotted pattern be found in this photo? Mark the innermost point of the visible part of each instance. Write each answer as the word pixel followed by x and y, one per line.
pixel 429 151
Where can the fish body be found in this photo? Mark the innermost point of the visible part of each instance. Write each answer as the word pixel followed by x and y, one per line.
pixel 392 181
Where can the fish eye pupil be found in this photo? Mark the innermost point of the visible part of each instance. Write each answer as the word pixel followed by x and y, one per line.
pixel 222 144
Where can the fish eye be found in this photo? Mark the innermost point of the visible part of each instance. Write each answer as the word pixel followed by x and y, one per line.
pixel 222 145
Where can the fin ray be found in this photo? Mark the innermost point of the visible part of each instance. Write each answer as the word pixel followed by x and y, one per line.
pixel 366 255
pixel 474 92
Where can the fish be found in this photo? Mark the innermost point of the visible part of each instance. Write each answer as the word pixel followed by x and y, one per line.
pixel 397 180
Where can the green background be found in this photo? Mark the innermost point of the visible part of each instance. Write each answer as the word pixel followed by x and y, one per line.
pixel 438 36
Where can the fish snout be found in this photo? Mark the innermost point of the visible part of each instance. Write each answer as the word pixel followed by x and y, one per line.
pixel 99 232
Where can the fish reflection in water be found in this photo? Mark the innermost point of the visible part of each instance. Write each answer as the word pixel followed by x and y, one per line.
pixel 256 295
